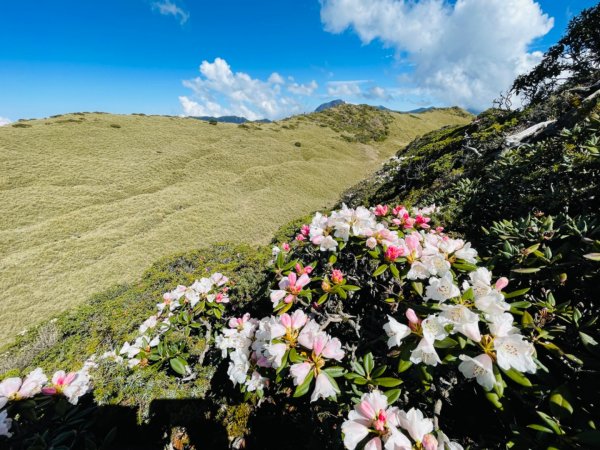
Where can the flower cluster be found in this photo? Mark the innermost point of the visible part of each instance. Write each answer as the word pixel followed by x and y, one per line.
pixel 377 425
pixel 478 306
pixel 179 309
pixel 71 385
pixel 276 343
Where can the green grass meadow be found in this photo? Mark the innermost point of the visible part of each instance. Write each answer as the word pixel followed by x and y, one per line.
pixel 91 200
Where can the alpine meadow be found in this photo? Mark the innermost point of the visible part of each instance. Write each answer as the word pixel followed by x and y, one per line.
pixel 91 200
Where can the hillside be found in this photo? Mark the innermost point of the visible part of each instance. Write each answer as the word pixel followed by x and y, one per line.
pixel 90 200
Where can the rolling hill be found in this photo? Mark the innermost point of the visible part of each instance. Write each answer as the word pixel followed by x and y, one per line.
pixel 90 199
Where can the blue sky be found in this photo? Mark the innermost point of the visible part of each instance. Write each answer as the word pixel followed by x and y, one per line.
pixel 125 56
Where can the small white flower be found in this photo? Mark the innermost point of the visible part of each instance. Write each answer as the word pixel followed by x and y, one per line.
pixel 238 367
pixel 256 382
pixel 328 244
pixel 425 353
pixel 463 320
pixel 513 351
pixel 433 329
pixel 323 388
pixel 480 368
pixel 5 424
pixel 396 331
pixel 441 289
pixel 415 423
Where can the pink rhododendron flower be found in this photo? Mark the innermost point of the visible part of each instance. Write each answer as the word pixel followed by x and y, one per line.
pixel 400 211
pixel 337 276
pixel 381 210
pixel 373 416
pixel 60 380
pixel 289 288
pixel 285 246
pixel 422 222
pixel 300 237
pixel 305 230
pixel 393 253
pixel 429 442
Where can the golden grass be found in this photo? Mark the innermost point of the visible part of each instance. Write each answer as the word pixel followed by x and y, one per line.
pixel 91 200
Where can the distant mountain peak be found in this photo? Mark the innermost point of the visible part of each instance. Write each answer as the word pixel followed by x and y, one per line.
pixel 331 104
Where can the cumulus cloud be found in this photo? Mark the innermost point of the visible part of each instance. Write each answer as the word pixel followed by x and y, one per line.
pixel 351 88
pixel 4 121
pixel 303 89
pixel 168 8
pixel 220 92
pixel 463 53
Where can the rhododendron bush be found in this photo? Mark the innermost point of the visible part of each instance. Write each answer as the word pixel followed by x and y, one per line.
pixel 376 324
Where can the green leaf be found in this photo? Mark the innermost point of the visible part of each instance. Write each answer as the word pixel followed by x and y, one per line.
pixel 178 365
pixel 392 395
pixel 305 386
pixel 387 382
pixel 494 399
pixel 514 294
pixel 382 268
pixel 368 363
pixel 332 381
pixel 350 287
pixel 394 270
pixel 520 305
pixel 418 287
pixel 358 368
pixel 323 298
pixel 332 259
pixel 592 256
pixel 559 404
pixel 335 371
pixel 295 357
pixel 404 363
pixel 543 429
pixel 527 270
pixel 527 320
pixel 360 380
pixel 447 342
pixel 550 422
pixel 588 341
pixel 517 377
pixel 378 371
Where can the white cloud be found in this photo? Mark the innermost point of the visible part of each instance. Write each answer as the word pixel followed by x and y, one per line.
pixel 345 88
pixel 303 89
pixel 168 8
pixel 4 121
pixel 275 78
pixel 219 91
pixel 463 53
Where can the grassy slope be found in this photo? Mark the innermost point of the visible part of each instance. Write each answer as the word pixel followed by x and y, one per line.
pixel 91 200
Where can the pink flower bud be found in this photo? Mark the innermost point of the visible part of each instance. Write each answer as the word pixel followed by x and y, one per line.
pixel 366 409
pixel 337 276
pixel 305 230
pixel 300 238
pixel 430 442
pixel 412 316
pixel 501 283
pixel 285 246
pixel 381 210
pixel 393 253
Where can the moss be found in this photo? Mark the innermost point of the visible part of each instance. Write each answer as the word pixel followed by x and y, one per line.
pixel 236 418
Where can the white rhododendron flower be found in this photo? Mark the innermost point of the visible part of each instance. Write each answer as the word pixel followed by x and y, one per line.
pixel 492 303
pixel 425 353
pixel 463 320
pixel 256 382
pixel 418 271
pixel 481 280
pixel 323 388
pixel 436 265
pixel 467 253
pixel 5 424
pixel 372 416
pixel 513 351
pixel 480 368
pixel 441 289
pixel 444 442
pixel 328 244
pixel 299 372
pixel 396 331
pixel 501 325
pixel 15 388
pixel 238 367
pixel 433 329
pixel 415 423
